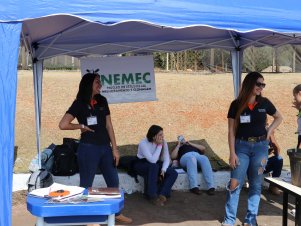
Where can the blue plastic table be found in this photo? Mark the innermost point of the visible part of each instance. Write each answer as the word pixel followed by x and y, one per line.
pixel 74 214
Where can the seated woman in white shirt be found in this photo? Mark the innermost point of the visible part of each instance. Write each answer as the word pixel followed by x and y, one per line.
pixel 153 165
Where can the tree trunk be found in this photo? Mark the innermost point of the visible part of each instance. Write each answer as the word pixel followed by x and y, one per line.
pixel 222 56
pixel 177 61
pixel 211 59
pixel 277 60
pixel 185 61
pixel 294 59
pixel 195 60
pixel 167 61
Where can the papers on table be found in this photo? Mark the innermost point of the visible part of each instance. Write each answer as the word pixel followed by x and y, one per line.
pixel 44 192
pixel 77 199
pixel 104 193
pixel 105 196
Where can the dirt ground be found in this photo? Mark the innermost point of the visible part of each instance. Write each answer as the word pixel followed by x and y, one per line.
pixel 183 209
pixel 189 104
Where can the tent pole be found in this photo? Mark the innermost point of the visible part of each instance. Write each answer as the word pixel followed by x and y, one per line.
pixel 237 58
pixel 37 83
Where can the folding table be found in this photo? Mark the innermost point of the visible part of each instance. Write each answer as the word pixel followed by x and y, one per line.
pixel 49 214
pixel 293 190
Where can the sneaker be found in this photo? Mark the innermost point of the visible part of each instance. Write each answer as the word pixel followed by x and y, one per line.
pixel 162 198
pixel 210 191
pixel 274 190
pixel 247 224
pixel 157 201
pixel 196 191
pixel 123 219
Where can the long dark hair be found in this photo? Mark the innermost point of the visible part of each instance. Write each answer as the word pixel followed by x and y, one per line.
pixel 245 92
pixel 85 88
pixel 297 89
pixel 153 131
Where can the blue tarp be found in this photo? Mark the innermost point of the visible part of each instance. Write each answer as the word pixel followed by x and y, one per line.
pixel 9 45
pixel 281 16
pixel 80 28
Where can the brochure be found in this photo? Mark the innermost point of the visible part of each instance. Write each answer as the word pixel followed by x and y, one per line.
pixel 65 191
pixel 76 199
pixel 104 193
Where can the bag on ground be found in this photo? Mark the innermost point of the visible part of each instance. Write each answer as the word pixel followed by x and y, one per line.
pixel 39 179
pixel 64 161
pixel 127 163
pixel 72 143
pixel 46 160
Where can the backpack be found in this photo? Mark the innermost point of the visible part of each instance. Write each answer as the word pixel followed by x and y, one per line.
pixel 46 160
pixel 39 179
pixel 64 161
pixel 72 143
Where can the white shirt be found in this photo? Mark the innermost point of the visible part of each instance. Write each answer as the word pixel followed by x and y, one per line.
pixel 151 152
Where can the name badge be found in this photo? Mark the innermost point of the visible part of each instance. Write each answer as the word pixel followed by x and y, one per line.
pixel 245 119
pixel 92 120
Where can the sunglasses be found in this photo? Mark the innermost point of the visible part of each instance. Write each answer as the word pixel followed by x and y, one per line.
pixel 259 84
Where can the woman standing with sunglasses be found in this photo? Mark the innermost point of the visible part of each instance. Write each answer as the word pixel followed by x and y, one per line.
pixel 248 143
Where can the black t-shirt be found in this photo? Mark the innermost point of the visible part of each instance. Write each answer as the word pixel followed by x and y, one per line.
pixel 81 111
pixel 257 125
pixel 185 148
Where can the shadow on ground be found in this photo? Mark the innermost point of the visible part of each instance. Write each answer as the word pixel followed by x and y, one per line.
pixel 183 208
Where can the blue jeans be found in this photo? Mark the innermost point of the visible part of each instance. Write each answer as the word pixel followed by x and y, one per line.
pixel 91 156
pixel 191 161
pixel 150 173
pixel 252 155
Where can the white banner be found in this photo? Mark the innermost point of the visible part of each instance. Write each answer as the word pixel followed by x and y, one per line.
pixel 124 79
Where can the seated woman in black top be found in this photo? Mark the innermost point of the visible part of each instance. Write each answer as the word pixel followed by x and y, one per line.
pixel 190 156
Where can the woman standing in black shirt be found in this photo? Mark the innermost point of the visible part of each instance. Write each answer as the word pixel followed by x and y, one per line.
pixel 297 105
pixel 97 144
pixel 248 144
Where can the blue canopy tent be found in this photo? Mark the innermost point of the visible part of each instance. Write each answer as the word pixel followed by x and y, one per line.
pixel 79 29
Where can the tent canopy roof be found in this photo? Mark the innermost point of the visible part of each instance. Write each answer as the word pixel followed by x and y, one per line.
pixel 239 15
pixel 69 35
pixel 118 26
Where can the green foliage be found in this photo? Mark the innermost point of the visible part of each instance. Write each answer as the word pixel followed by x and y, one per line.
pixel 194 60
pixel 213 60
pixel 58 67
pixel 159 60
pixel 257 59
